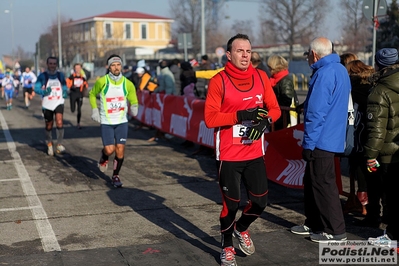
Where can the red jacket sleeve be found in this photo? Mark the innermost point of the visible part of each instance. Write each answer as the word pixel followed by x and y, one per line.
pixel 213 116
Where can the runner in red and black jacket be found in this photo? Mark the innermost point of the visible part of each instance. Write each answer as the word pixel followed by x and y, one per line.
pixel 76 84
pixel 240 106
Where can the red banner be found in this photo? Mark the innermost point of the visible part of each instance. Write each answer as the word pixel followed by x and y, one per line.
pixel 184 117
pixel 283 157
pixel 176 115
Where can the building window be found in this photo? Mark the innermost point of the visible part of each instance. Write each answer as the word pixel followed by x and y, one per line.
pixel 108 31
pixel 128 31
pixel 76 36
pixel 86 32
pixel 93 32
pixel 160 33
pixel 143 29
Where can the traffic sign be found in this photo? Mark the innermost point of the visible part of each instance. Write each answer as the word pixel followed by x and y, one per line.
pixel 184 40
pixel 368 7
pixel 219 51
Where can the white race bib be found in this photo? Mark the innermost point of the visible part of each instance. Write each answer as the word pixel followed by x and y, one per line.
pixel 77 83
pixel 55 98
pixel 115 105
pixel 240 133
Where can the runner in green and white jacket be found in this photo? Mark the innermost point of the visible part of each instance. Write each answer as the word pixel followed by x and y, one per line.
pixel 115 91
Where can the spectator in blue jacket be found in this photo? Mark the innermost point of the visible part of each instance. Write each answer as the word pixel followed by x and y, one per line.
pixel 325 119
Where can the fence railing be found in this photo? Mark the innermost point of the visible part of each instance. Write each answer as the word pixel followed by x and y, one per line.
pixel 286 110
pixel 300 81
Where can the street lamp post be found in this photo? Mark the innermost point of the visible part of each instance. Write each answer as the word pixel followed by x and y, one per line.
pixel 203 45
pixel 59 37
pixel 12 29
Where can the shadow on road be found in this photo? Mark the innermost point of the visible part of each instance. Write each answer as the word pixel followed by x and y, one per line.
pixel 151 207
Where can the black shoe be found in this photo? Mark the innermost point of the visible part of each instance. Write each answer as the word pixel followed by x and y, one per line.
pixel 368 222
pixel 325 237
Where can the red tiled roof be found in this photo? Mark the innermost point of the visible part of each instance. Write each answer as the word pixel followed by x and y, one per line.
pixel 125 14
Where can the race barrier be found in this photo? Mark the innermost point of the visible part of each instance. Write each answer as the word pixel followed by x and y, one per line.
pixel 184 117
pixel 176 115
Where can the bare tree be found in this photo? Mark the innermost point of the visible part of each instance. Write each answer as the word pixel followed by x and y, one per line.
pixel 218 38
pixel 21 54
pixel 267 30
pixel 244 27
pixel 70 43
pixel 187 15
pixel 48 41
pixel 45 47
pixel 356 28
pixel 292 21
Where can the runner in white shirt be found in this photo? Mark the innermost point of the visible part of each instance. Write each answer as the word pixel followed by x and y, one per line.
pixel 28 80
pixel 51 85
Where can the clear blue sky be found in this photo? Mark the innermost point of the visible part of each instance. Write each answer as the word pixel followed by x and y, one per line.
pixel 33 17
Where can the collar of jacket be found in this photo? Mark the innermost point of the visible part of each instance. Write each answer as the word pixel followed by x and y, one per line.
pixel 331 58
pixel 385 72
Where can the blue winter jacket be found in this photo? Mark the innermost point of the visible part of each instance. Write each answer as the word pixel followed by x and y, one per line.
pixel 326 106
pixel 41 80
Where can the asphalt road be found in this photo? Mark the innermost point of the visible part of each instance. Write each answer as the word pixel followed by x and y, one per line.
pixel 62 210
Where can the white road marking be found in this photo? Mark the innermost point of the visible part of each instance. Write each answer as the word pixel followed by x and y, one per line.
pixel 19 208
pixel 43 226
pixel 10 179
pixel 8 161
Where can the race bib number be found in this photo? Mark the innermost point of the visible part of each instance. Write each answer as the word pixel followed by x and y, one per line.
pixel 115 105
pixel 240 134
pixel 77 83
pixel 8 86
pixel 56 93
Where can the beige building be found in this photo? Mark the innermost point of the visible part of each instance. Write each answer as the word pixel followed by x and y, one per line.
pixel 137 34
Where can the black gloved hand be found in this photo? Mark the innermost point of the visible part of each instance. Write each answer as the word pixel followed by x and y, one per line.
pixel 307 155
pixel 254 114
pixel 256 131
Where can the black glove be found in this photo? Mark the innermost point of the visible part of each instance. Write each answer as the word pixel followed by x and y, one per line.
pixel 256 131
pixel 254 114
pixel 307 155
